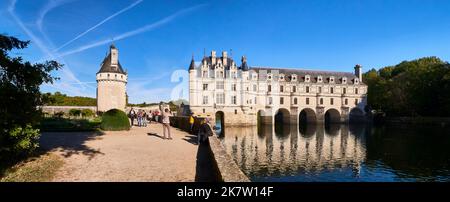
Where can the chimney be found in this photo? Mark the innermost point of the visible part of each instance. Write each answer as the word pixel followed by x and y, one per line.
pixel 213 57
pixel 224 58
pixel 358 72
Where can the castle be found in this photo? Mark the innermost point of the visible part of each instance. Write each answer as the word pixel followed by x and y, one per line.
pixel 244 95
pixel 111 83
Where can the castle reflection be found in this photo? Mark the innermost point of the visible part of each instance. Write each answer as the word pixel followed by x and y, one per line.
pixel 288 150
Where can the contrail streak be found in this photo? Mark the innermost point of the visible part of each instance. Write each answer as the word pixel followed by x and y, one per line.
pixel 99 24
pixel 66 71
pixel 48 7
pixel 134 32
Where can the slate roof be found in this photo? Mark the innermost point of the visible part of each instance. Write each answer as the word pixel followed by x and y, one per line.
pixel 107 67
pixel 301 73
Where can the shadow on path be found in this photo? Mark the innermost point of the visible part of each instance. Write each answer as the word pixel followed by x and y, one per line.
pixel 155 135
pixel 206 169
pixel 70 143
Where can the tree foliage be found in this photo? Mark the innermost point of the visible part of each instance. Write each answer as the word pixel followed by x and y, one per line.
pixel 59 99
pixel 412 88
pixel 19 97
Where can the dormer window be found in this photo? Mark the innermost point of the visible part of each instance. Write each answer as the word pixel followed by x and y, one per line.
pixel 254 76
pixel 294 77
pixel 269 77
pixel 319 79
pixel 332 79
pixel 344 80
pixel 281 77
pixel 307 78
pixel 356 81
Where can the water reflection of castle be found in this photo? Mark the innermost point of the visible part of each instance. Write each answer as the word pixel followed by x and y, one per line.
pixel 267 150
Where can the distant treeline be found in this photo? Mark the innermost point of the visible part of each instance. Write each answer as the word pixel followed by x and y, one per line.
pixel 59 99
pixel 412 88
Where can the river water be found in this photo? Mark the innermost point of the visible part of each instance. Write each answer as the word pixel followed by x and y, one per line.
pixel 340 153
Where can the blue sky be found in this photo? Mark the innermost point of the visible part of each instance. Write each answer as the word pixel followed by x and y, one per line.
pixel 157 38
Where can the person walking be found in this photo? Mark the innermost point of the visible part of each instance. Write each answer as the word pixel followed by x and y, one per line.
pixel 166 122
pixel 132 115
pixel 139 117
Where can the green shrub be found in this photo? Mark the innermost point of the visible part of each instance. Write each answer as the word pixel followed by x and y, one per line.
pixel 74 112
pixel 114 120
pixel 20 143
pixel 87 113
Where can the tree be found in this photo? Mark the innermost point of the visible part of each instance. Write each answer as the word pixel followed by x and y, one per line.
pixel 19 98
pixel 412 88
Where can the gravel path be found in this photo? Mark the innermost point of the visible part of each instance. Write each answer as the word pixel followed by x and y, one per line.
pixel 136 155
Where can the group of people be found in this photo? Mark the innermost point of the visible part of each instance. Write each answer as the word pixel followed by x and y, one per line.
pixel 142 117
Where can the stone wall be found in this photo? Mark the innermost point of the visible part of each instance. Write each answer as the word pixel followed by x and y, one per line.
pixel 55 109
pixel 228 170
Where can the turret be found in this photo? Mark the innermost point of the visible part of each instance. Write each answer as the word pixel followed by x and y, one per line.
pixel 192 65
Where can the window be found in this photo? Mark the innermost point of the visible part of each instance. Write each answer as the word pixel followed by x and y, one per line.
pixel 121 76
pixel 203 110
pixel 233 75
pixel 320 89
pixel 233 100
pixel 256 100
pixel 281 88
pixel 319 78
pixel 344 80
pixel 115 75
pixel 254 88
pixel 331 90
pixel 205 100
pixel 205 74
pixel 295 101
pixel 270 100
pixel 205 86
pixel 331 101
pixel 321 101
pixel 344 90
pixel 307 89
pixel 307 101
pixel 331 79
pixel 233 87
pixel 108 75
pixel 346 101
pixel 269 88
pixel 220 98
pixel 294 89
pixel 235 111
pixel 281 100
pixel 356 101
pixel 356 90
pixel 219 85
pixel 307 78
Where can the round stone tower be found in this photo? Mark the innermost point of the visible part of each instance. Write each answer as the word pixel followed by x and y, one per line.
pixel 111 83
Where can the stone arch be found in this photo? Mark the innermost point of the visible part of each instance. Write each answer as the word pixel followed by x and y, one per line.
pixel 356 115
pixel 282 122
pixel 307 115
pixel 282 115
pixel 332 116
pixel 220 122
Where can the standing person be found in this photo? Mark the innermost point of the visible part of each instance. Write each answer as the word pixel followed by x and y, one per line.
pixel 144 118
pixel 166 122
pixel 150 117
pixel 132 115
pixel 139 118
pixel 191 122
pixel 204 131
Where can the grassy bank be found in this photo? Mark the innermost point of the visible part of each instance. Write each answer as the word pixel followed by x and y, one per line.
pixel 68 125
pixel 41 168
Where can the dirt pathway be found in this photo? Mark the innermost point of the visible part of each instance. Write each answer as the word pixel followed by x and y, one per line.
pixel 136 155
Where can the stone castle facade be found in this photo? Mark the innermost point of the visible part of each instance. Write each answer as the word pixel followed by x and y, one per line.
pixel 111 83
pixel 243 94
